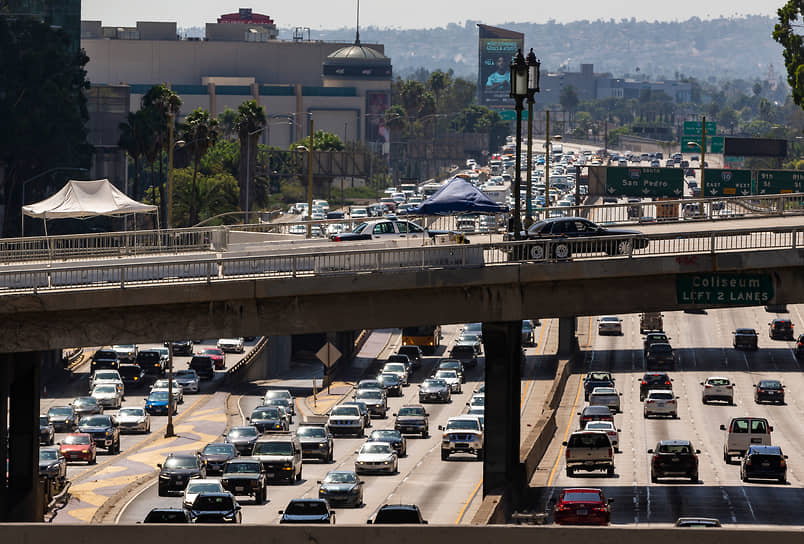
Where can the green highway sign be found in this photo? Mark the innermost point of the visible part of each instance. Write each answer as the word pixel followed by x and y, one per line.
pixel 724 289
pixel 719 182
pixel 510 115
pixel 696 127
pixel 714 144
pixel 644 182
pixel 771 182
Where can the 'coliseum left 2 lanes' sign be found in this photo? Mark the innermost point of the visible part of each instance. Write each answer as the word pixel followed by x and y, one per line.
pixel 724 289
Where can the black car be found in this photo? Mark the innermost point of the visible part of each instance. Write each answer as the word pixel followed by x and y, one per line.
pixel 764 462
pixel 596 379
pixel 453 364
pixel 316 442
pixel 268 418
pixel 47 432
pixel 654 380
pixel 177 470
pixel 63 418
pixel 660 356
pixel 151 362
pixel 781 329
pixel 654 338
pixel 104 358
pixel 307 511
pixel 594 413
pixel 52 464
pixel 104 430
pixel 215 508
pixel 181 347
pixel 392 384
pixel 392 437
pixel 674 458
pixel 769 391
pixel 215 456
pixel 133 375
pixel 799 349
pixel 745 339
pixel 466 353
pixel 555 232
pixel 343 487
pixel 398 514
pixel 245 476
pixel 168 515
pixel 243 438
pixel 204 366
pixel 414 353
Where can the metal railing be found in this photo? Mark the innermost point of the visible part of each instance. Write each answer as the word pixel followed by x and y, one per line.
pixel 344 260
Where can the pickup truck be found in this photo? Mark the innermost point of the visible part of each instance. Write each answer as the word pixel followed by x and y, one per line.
pixel 589 450
pixel 596 379
pixel 463 434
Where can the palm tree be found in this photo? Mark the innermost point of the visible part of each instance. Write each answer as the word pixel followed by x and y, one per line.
pixel 134 140
pixel 200 131
pixel 163 106
pixel 249 123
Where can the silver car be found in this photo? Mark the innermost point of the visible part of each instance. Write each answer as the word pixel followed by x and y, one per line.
pixel 134 420
pixel 108 395
pixel 188 380
pixel 376 457
pixel 605 396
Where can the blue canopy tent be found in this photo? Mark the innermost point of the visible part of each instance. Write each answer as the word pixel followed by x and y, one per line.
pixel 458 196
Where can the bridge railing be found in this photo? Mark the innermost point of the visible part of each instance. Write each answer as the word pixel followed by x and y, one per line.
pixel 345 260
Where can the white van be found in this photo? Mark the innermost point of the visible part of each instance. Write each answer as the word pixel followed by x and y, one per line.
pixel 743 432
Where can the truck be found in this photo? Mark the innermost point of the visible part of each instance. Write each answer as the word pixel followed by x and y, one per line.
pixel 589 450
pixel 650 321
pixel 462 434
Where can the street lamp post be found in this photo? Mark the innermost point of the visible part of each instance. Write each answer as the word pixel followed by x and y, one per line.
pixel 169 211
pixel 533 87
pixel 169 432
pixel 309 151
pixel 519 91
pixel 248 168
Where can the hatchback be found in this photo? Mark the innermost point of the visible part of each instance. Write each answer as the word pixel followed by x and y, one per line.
pixel 717 388
pixel 781 329
pixel 661 402
pixel 582 507
pixel 609 324
pixel 764 462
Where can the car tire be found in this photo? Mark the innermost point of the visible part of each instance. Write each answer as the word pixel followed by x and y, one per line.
pixel 653 478
pixel 444 455
pixel 727 458
pixel 624 247
pixel 610 471
pixel 162 492
pixel 299 475
pixel 94 460
pixel 330 456
pixel 694 478
pixel 536 252
pixel 424 434
pixel 562 251
pixel 570 473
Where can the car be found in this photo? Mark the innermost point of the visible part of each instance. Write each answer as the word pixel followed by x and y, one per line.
pixel 126 352
pixel 745 339
pixel 133 375
pixel 216 454
pixel 717 388
pixel 104 429
pixel 245 476
pixel 435 390
pixel 384 229
pixel 743 432
pixel 106 376
pixel 392 437
pixel 218 356
pixel 414 353
pixel 412 419
pixel 404 359
pixel 79 447
pixel 400 369
pixel 462 434
pixel 475 329
pixel 134 419
pixel 280 454
pixel 168 515
pixel 188 380
pixel 346 420
pixel 232 345
pixel 151 362
pixel 376 457
pixel 243 438
pixel 211 507
pixel 181 347
pixel 697 522
pixel 582 506
pixel 308 511
pixel 63 418
pixel 108 395
pixel 595 379
pixel 764 462
pixel 654 338
pixel 594 413
pixel 268 418
pixel 200 485
pixel 398 514
pixel 452 379
pixel 284 406
pixel 341 487
pixel 204 366
pixel 466 351
pixel 453 364
pixel 609 324
pixel 605 396
pixel 608 428
pixel 85 406
pixel 799 349
pixel 674 458
pixel 272 394
pixel 52 464
pixel 478 400
pixel 660 355
pixel 364 385
pixel 375 400
pixel 660 402
pixel 769 391
pixel 528 334
pixel 392 383
pixel 316 442
pixel 364 411
pixel 156 403
pixel 47 433
pixel 589 450
pixel 177 470
pixel 551 238
pixel 652 381
pixel 781 329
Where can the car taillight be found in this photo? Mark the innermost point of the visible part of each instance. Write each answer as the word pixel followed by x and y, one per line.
pixel 707 386
pixel 611 452
pixel 644 382
pixel 671 401
pixel 667 382
pixel 729 387
pixel 655 458
pixel 649 401
pixel 599 509
pixel 782 462
pixel 336 238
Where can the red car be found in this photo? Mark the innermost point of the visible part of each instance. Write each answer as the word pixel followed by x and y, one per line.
pixel 79 447
pixel 582 506
pixel 217 356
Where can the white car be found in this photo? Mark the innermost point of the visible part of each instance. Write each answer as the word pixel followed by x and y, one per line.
pixel 396 368
pixel 478 400
pixel 608 428
pixel 609 324
pixel 231 345
pixel 200 485
pixel 178 390
pixel 106 376
pixel 346 420
pixel 452 379
pixel 605 396
pixel 281 394
pixel 108 395
pixel 717 388
pixel 134 419
pixel 661 402
pixel 376 457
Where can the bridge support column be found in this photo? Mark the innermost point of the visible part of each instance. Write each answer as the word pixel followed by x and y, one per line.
pixel 567 338
pixel 502 345
pixel 21 497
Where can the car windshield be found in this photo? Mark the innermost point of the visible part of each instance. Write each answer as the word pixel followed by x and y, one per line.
pixel 212 351
pixel 478 400
pixel 273 448
pixel 394 367
pixel 185 374
pixel 469 424
pixel 306 508
pixel 375 448
pixel 599 376
pixel 61 411
pixel 582 496
pixel 770 384
pixel 369 384
pixel 219 449
pixel 386 433
pixel 314 432
pixel 99 421
pixel 43 420
pixel 656 378
pixel 202 487
pixel 278 395
pixel 242 431
pixel 241 467
pixel 106 376
pixel 181 462
pixel 460 349
pixel 132 412
pixel 340 478
pixel 49 455
pixel 411 411
pixel 265 414
pixel 345 411
pixel 85 401
pixel 609 319
pixel 213 502
pixel 158 395
pixel 387 378
pixel 370 394
pixel 105 389
pixel 435 383
pixel 77 439
pixel 447 375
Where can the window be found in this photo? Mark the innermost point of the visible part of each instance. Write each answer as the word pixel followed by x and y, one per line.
pixel 740 426
pixel 384 228
pixel 758 426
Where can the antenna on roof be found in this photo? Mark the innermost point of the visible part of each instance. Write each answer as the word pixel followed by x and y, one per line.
pixel 357 34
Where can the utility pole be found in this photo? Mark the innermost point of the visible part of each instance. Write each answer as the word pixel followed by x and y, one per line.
pixel 546 163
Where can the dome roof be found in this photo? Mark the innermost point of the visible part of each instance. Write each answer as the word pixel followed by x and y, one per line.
pixel 357 52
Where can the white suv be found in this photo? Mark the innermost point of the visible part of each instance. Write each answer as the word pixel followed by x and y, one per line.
pixel 661 402
pixel 717 388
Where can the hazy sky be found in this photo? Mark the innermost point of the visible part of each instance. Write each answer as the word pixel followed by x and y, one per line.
pixel 332 14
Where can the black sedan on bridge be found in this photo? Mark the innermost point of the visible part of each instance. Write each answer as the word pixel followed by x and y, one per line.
pixel 557 234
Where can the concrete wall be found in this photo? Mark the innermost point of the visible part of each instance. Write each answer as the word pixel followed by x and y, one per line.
pixel 273 361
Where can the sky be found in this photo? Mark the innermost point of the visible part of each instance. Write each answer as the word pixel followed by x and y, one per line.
pixel 334 14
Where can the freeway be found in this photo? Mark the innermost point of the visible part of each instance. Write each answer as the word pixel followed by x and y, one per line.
pixel 702 342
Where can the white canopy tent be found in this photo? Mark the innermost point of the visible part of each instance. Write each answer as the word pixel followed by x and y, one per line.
pixel 81 199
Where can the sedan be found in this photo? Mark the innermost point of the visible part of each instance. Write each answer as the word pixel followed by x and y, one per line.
pixel 211 507
pixel 392 383
pixel 392 437
pixel 376 457
pixel 307 511
pixel 217 355
pixel 609 324
pixel 157 403
pixel 769 391
pixel 341 487
pixel 605 396
pixel 243 438
pixel 216 454
pixel 200 485
pixel 52 464
pixel 47 432
pixel 79 447
pixel 434 389
pixel 108 396
pixel 582 507
pixel 134 419
pixel 178 392
pixel 63 418
pixel 452 379
pixel 188 380
pixel 85 406
pixel 233 345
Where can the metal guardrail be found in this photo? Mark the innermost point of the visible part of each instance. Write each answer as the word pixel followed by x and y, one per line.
pixel 347 261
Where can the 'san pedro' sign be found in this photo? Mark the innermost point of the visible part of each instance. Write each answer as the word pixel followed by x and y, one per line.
pixel 724 289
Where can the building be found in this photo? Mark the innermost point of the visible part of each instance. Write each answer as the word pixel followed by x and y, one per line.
pixel 64 14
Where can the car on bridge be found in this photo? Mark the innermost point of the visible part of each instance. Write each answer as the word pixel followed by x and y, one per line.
pixel 216 454
pixel 52 464
pixel 654 380
pixel 660 355
pixel 660 402
pixel 342 487
pixel 308 511
pixel 79 447
pixel 47 432
pixel 596 379
pixel 412 418
pixel 245 476
pixel 104 429
pixel 462 434
pixel 382 229
pixel 215 508
pixel 743 432
pixel 589 450
pixel 435 390
pixel 654 338
pixel 178 470
pixel 316 442
pixel 398 514
pixel 376 457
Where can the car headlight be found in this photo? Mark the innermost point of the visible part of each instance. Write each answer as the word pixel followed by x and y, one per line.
pixel 322 444
pixel 386 462
pixel 84 451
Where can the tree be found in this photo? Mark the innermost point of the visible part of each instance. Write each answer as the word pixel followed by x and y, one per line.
pixel 437 83
pixel 792 46
pixel 569 98
pixel 135 139
pixel 162 106
pixel 213 194
pixel 227 120
pixel 200 132
pixel 250 122
pixel 324 141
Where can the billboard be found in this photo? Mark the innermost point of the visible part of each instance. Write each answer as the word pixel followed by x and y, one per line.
pixel 496 48
pixel 755 147
pixel 376 104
